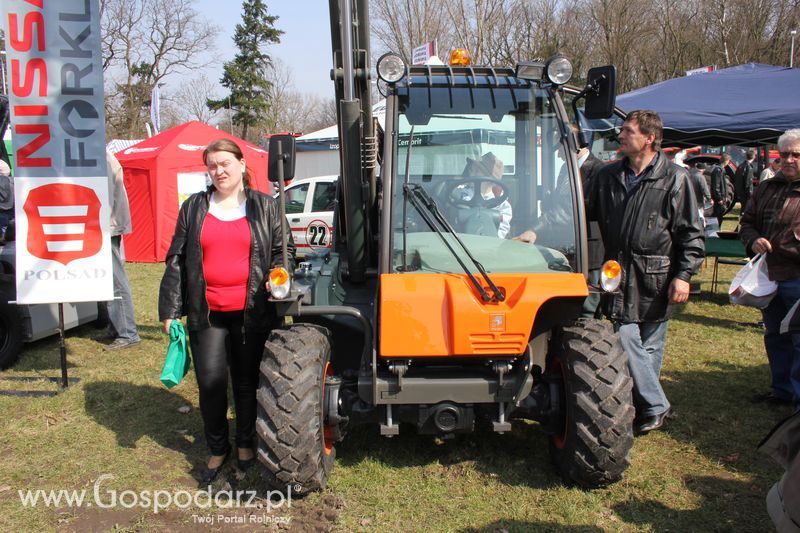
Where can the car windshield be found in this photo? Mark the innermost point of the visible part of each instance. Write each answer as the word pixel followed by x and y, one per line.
pixel 499 179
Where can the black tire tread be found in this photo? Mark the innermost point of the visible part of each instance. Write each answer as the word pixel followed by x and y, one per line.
pixel 290 436
pixel 599 395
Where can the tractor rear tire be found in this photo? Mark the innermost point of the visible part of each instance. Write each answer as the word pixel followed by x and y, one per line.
pixel 293 444
pixel 597 405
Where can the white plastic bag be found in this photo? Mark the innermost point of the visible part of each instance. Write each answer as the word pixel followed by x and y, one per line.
pixel 751 286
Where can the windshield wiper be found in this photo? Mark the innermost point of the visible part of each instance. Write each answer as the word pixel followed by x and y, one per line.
pixel 420 199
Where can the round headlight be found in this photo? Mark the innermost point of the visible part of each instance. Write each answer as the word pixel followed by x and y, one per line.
pixel 610 276
pixel 558 70
pixel 391 68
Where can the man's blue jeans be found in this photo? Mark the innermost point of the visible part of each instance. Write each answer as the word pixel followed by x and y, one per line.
pixel 644 343
pixel 783 351
pixel 120 309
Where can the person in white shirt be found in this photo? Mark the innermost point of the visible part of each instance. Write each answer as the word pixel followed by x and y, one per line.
pixel 769 172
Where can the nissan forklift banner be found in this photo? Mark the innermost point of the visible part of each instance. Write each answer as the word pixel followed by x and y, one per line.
pixel 63 250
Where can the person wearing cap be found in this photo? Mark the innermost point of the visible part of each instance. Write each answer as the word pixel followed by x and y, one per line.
pixel 489 166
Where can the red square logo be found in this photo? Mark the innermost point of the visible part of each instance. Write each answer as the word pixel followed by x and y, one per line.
pixel 63 222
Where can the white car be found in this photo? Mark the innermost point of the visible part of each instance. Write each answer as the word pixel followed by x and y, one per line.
pixel 309 211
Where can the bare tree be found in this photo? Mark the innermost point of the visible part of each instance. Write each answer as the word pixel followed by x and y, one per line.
pixel 144 41
pixel 294 111
pixel 191 99
pixel 401 25
pixel 473 21
pixel 647 40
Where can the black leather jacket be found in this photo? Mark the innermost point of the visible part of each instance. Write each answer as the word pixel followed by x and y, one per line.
pixel 183 287
pixel 654 232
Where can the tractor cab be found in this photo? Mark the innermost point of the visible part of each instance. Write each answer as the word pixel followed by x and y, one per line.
pixel 494 155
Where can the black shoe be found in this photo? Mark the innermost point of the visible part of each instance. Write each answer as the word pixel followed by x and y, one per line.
pixel 120 344
pixel 210 474
pixel 245 464
pixel 770 398
pixel 651 423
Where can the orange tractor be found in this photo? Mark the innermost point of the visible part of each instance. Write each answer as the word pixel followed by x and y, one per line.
pixel 428 311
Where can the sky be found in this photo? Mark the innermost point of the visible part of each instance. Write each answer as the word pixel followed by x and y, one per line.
pixel 305 45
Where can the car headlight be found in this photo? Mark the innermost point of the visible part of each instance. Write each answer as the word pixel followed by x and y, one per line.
pixel 391 68
pixel 558 70
pixel 280 283
pixel 610 276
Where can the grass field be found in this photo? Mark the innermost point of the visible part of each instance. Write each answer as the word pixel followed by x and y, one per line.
pixel 702 473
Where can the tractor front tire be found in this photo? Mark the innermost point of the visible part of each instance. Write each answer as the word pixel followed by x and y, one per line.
pixel 592 448
pixel 293 444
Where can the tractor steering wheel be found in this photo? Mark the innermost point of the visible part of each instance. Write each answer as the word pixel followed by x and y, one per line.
pixel 466 192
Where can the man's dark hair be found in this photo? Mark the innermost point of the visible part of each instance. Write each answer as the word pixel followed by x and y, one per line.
pixel 649 122
pixel 700 165
pixel 750 154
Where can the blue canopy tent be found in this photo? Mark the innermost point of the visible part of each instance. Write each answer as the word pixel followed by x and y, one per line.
pixel 749 104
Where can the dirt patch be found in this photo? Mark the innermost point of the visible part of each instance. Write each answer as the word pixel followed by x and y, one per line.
pixel 96 519
pixel 320 516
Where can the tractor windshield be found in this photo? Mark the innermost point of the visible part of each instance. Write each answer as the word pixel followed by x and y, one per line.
pixel 500 178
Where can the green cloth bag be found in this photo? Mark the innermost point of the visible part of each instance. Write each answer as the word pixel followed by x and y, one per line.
pixel 177 362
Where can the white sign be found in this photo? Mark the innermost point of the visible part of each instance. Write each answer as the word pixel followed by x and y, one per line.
pixel 62 222
pixel 190 183
pixel 701 70
pixel 421 54
pixel 61 185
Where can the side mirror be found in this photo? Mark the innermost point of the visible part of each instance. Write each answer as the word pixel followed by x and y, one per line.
pixel 281 158
pixel 601 92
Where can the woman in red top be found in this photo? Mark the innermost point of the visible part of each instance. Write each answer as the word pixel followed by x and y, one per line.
pixel 226 240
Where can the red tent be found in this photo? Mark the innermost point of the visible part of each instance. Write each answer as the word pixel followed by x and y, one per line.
pixel 162 171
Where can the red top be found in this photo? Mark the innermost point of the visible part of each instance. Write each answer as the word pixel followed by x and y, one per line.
pixel 226 262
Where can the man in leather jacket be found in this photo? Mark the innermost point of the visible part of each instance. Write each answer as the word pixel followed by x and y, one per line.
pixel 721 192
pixel 743 179
pixel 649 221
